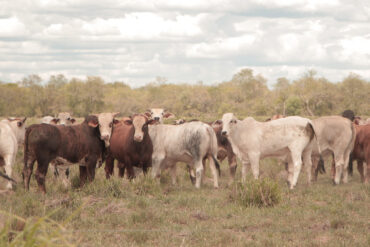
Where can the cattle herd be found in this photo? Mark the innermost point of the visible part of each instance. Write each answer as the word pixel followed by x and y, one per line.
pixel 144 141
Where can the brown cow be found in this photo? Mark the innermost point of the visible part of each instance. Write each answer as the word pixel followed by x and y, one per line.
pixel 361 151
pixel 130 145
pixel 82 143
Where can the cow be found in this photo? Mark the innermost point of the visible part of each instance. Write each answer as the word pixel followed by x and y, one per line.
pixel 12 131
pixel 335 136
pixel 189 143
pixel 158 114
pixel 274 117
pixel 83 143
pixel 225 149
pixel 131 145
pixel 361 151
pixel 59 166
pixel 289 138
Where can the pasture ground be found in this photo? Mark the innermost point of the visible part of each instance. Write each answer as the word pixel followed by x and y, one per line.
pixel 117 212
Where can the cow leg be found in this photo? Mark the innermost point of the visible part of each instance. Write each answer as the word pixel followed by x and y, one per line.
pixel 254 159
pixel 346 158
pixel 361 170
pixel 27 170
pixel 109 166
pixel 232 166
pixel 290 170
pixel 191 174
pixel 130 171
pixel 156 166
pixel 214 171
pixel 64 176
pixel 40 174
pixel 315 170
pixel 245 166
pixel 83 175
pixel 339 163
pixel 9 161
pixel 297 165
pixel 173 173
pixel 198 173
pixel 308 164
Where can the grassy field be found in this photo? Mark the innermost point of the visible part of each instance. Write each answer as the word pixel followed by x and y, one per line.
pixel 117 212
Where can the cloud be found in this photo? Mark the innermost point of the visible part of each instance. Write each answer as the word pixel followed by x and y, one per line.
pixel 185 41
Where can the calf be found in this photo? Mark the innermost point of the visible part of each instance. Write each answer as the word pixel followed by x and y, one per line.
pixel 60 166
pixel 130 144
pixel 12 132
pixel 84 143
pixel 288 138
pixel 335 136
pixel 189 143
pixel 361 151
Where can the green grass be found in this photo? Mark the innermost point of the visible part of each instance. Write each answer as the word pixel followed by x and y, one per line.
pixel 143 212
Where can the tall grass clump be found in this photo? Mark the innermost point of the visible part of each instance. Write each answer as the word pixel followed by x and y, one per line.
pixel 256 193
pixel 30 232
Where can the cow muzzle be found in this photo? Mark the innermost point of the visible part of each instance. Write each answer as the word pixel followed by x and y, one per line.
pixel 138 138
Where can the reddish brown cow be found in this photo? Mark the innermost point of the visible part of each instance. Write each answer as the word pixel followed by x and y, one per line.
pixel 361 151
pixel 130 145
pixel 82 143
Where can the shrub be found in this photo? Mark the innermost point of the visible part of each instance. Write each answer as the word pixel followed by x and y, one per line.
pixel 256 193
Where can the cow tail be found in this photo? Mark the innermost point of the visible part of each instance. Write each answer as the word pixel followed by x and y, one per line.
pixel 214 148
pixel 351 146
pixel 217 164
pixel 7 177
pixel 26 150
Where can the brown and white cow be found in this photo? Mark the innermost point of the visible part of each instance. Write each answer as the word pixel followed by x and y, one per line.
pixel 189 143
pixel 361 151
pixel 12 132
pixel 84 144
pixel 131 145
pixel 158 114
pixel 336 136
pixel 286 138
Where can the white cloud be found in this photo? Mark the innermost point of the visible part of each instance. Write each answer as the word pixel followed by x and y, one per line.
pixel 185 41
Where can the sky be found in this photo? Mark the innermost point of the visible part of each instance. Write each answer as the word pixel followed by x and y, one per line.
pixel 183 41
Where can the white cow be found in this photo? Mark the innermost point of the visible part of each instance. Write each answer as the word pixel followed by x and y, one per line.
pixel 287 138
pixel 64 118
pixel 188 143
pixel 336 136
pixel 159 114
pixel 12 131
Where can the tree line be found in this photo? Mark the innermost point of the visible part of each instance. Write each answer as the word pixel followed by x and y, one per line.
pixel 245 94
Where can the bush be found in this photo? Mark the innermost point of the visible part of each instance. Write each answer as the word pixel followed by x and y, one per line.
pixel 256 193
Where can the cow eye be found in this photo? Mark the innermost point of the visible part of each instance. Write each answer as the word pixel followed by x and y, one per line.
pixel 110 125
pixel 68 118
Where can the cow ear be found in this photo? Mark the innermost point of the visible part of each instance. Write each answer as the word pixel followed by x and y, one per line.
pixel 128 121
pixel 147 114
pixel 55 120
pixel 11 119
pixel 115 114
pixel 218 121
pixel 93 123
pixel 115 121
pixel 24 120
pixel 72 120
pixel 168 115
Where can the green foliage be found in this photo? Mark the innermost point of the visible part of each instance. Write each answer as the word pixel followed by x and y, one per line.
pixel 257 193
pixel 246 94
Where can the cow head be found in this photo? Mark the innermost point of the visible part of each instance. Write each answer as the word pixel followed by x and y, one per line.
pixel 105 122
pixel 19 128
pixel 158 114
pixel 228 122
pixel 65 118
pixel 140 123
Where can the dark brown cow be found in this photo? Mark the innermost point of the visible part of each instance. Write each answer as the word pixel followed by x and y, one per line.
pixel 131 145
pixel 361 151
pixel 82 143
